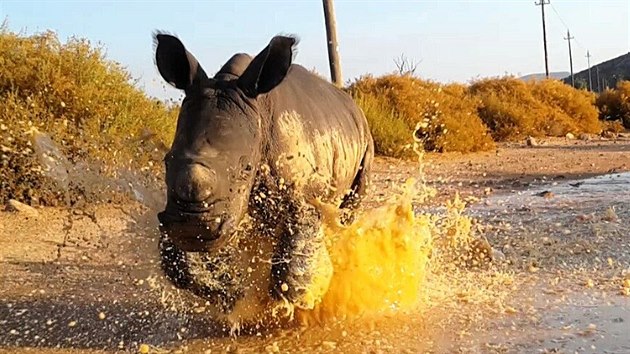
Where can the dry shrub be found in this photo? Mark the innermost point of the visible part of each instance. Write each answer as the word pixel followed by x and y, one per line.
pixel 575 107
pixel 390 131
pixel 615 104
pixel 447 115
pixel 513 109
pixel 613 126
pixel 86 103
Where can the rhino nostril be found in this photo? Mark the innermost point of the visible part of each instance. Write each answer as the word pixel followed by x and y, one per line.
pixel 195 183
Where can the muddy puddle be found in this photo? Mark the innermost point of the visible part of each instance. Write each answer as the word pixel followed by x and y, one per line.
pixel 607 190
pixel 87 280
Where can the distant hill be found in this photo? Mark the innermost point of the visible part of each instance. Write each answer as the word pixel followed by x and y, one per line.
pixel 610 72
pixel 539 76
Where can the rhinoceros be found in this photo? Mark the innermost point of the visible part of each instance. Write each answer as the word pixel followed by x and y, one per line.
pixel 263 138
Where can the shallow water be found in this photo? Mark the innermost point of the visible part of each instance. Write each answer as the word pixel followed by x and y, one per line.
pixel 600 190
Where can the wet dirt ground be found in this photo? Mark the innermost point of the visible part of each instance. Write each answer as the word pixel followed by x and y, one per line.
pixel 83 281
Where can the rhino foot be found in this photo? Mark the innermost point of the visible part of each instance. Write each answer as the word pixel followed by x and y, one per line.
pixel 174 263
pixel 302 268
pixel 202 275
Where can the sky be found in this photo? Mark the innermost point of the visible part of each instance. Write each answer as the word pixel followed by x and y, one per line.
pixel 452 40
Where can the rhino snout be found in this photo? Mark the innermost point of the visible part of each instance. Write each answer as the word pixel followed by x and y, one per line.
pixel 195 183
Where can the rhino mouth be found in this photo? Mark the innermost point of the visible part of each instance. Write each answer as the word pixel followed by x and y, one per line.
pixel 195 231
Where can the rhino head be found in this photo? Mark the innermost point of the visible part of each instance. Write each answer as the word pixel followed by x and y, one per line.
pixel 219 141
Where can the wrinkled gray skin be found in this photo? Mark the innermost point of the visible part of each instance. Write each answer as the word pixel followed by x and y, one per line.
pixel 258 127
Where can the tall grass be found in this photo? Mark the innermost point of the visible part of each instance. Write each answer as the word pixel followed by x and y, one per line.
pixel 392 134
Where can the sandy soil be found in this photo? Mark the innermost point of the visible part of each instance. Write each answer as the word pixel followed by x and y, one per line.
pixel 78 281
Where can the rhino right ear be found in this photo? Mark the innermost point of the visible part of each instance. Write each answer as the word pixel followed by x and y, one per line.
pixel 176 65
pixel 269 67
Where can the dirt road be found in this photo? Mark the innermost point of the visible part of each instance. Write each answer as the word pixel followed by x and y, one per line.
pixel 84 281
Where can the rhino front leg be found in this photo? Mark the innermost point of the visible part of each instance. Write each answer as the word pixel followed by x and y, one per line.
pixel 174 263
pixel 302 268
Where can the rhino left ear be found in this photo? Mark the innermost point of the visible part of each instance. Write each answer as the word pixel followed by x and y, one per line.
pixel 176 65
pixel 269 67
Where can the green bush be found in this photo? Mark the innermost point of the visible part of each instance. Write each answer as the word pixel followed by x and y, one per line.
pixel 87 104
pixel 391 133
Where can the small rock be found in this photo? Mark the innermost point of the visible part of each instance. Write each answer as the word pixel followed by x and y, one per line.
pixel 497 255
pixel 609 135
pixel 546 194
pixel 610 215
pixel 531 141
pixel 18 207
pixel 585 137
pixel 570 136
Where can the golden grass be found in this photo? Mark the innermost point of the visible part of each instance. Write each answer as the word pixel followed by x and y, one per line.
pixel 462 118
pixel 86 103
pixel 446 115
pixel 514 109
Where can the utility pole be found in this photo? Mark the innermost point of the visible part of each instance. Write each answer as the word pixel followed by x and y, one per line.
pixel 542 4
pixel 333 46
pixel 569 38
pixel 590 79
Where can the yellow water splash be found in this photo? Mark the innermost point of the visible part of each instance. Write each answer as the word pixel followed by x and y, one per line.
pixel 379 261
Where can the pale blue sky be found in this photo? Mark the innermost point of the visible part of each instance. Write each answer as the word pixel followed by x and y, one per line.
pixel 455 40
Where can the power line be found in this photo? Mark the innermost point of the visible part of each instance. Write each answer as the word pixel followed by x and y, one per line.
pixel 559 17
pixel 565 24
pixel 542 4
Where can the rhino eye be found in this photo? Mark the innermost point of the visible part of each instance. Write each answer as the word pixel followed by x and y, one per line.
pixel 248 168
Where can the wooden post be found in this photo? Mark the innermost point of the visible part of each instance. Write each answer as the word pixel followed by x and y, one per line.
pixel 333 45
pixel 542 4
pixel 569 38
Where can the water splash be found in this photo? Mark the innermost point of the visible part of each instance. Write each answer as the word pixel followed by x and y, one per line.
pixel 379 261
pixel 87 177
pixel 55 164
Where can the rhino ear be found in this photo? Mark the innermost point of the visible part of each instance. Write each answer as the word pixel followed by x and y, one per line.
pixel 269 67
pixel 176 65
